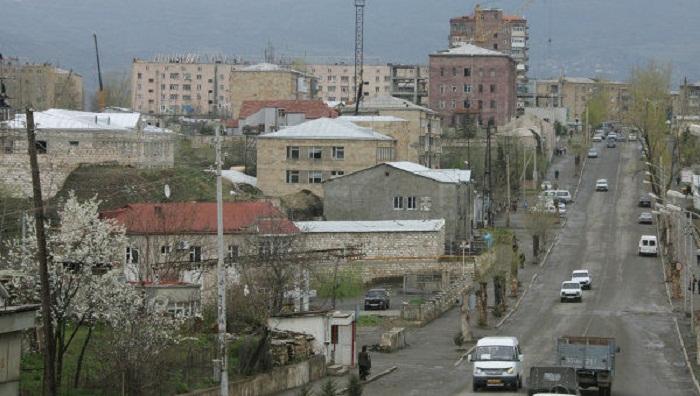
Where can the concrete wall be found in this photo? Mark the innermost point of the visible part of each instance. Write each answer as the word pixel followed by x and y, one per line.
pixel 144 150
pixel 272 162
pixel 381 244
pixel 369 195
pixel 277 380
pixel 371 270
pixel 447 87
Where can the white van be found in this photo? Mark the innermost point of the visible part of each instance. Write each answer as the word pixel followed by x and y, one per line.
pixel 562 195
pixel 648 245
pixel 498 363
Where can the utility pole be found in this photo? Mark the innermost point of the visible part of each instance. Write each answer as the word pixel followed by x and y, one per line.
pixel 508 189
pixel 49 384
pixel 359 51
pixel 488 173
pixel 221 272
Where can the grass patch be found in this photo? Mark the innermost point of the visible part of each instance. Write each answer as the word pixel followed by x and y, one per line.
pixel 349 285
pixel 417 301
pixel 369 320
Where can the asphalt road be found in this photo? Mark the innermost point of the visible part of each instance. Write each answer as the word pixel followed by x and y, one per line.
pixel 628 299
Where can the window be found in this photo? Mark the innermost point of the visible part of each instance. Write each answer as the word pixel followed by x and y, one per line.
pixel 162 87
pixel 467 104
pixel 173 96
pixel 150 80
pixel 331 88
pixel 493 104
pixel 41 146
pixel 337 173
pixel 411 203
pixel 186 87
pixel 442 89
pixel 385 154
pixel 453 104
pixel 315 177
pixel 492 72
pixel 74 143
pixel 467 88
pixel 481 88
pixel 454 88
pixel 442 72
pixel 195 254
pixel 292 176
pixel 174 87
pixel 232 251
pixel 338 152
pixel 174 76
pixel 199 77
pixel 344 79
pixel 334 334
pixel 454 72
pixel 376 79
pixel 492 88
pixel 132 255
pixel 481 104
pixel 495 46
pixel 315 152
pixel 166 249
pixel 293 152
pixel 138 75
pixel 376 89
pixel 398 203
pixel 467 72
pixel 441 104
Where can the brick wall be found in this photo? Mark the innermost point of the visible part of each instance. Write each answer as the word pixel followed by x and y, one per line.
pixel 382 244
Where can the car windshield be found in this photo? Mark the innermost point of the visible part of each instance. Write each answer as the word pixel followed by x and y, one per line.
pixel 495 353
pixel 376 293
pixel 571 285
pixel 580 275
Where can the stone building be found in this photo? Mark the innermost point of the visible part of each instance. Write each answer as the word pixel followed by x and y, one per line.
pixel 41 86
pixel 470 83
pixel 687 101
pixel 269 82
pixel 175 242
pixel 264 116
pixel 403 191
pixel 573 94
pixel 407 145
pixel 424 126
pixel 377 239
pixel 302 157
pixel 66 139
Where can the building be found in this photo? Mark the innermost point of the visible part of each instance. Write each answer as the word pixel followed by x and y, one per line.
pixel 336 82
pixel 40 86
pixel 403 191
pixel 266 81
pixel 182 85
pixel 179 298
pixel 302 157
pixel 489 28
pixel 470 83
pixel 66 139
pixel 687 102
pixel 410 82
pixel 333 333
pixel 377 239
pixel 264 116
pixel 407 145
pixel 425 130
pixel 14 322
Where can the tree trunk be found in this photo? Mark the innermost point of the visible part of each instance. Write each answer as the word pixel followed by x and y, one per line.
pixel 482 303
pixel 76 380
pixel 60 340
pixel 464 318
pixel 535 245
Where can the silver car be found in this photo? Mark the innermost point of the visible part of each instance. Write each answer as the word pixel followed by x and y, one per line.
pixel 646 218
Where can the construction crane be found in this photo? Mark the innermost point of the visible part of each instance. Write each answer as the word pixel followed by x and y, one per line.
pixel 101 94
pixel 359 50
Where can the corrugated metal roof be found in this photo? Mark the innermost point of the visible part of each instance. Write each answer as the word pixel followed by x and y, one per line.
pixel 326 128
pixel 69 119
pixel 370 226
pixel 465 49
pixel 441 175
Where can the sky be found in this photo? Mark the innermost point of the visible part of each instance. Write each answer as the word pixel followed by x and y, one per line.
pixel 592 38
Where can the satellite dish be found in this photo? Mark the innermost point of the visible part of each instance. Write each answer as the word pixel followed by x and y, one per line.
pixel 166 191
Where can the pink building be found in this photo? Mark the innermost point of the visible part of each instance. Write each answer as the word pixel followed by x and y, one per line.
pixel 470 83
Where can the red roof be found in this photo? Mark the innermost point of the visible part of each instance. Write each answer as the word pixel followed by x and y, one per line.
pixel 231 123
pixel 200 218
pixel 311 108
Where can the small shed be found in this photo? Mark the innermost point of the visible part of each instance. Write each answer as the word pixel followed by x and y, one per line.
pixel 333 331
pixel 13 320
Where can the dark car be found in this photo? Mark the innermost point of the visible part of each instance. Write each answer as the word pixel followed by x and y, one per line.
pixel 645 201
pixel 376 299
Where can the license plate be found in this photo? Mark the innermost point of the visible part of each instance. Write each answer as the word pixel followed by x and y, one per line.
pixel 494 382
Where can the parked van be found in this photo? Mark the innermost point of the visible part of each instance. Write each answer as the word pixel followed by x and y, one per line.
pixel 648 245
pixel 498 363
pixel 562 195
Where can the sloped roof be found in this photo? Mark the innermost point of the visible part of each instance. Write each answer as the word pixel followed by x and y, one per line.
pixel 70 119
pixel 238 177
pixel 390 103
pixel 311 108
pixel 200 218
pixel 440 175
pixel 370 226
pixel 326 128
pixel 370 118
pixel 465 49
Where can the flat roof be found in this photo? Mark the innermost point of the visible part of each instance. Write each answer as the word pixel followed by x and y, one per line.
pixel 370 226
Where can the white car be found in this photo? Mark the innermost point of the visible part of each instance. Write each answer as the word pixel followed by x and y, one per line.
pixel 571 290
pixel 648 245
pixel 583 277
pixel 601 185
pixel 592 153
pixel 632 137
pixel 546 185
pixel 598 138
pixel 498 363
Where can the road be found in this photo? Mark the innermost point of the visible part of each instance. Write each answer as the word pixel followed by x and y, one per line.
pixel 628 300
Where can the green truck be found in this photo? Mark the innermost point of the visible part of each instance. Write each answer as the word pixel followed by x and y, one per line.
pixel 593 358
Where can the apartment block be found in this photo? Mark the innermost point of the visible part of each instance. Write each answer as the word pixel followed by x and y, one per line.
pixel 472 83
pixel 40 86
pixel 490 28
pixel 336 82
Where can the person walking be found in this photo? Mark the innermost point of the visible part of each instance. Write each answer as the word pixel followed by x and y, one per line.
pixel 695 283
pixel 364 362
pixel 556 174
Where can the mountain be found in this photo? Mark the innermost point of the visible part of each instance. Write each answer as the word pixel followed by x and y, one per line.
pixel 588 38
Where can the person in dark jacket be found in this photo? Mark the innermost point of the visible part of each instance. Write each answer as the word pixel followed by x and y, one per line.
pixel 364 362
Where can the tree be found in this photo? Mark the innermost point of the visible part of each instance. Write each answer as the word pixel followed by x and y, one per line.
pixel 597 107
pixel 354 386
pixel 80 248
pixel 329 388
pixel 117 90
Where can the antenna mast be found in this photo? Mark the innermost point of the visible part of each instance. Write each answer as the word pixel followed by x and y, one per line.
pixel 359 49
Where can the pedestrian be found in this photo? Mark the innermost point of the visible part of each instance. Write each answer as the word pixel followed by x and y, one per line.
pixel 556 174
pixel 695 283
pixel 364 362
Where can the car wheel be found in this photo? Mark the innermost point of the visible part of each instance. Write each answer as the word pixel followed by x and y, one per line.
pixel 387 305
pixel 366 308
pixel 561 300
pixel 520 383
pixel 475 387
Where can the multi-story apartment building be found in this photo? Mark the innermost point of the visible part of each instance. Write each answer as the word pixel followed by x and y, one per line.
pixel 302 157
pixel 410 82
pixel 687 101
pixel 182 85
pixel 40 86
pixel 489 28
pixel 336 82
pixel 470 83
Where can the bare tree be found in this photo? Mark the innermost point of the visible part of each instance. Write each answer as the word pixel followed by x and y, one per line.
pixel 117 87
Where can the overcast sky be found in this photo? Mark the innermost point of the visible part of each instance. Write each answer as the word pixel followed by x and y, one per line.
pixel 589 37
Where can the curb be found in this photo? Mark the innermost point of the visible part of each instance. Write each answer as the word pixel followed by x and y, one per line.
pixel 517 304
pixel 685 354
